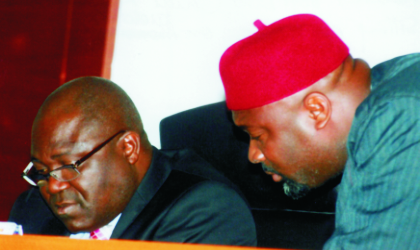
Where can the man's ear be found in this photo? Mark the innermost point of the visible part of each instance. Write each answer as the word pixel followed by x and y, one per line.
pixel 131 147
pixel 319 108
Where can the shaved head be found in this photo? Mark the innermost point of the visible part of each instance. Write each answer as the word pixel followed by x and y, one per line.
pixel 75 119
pixel 98 100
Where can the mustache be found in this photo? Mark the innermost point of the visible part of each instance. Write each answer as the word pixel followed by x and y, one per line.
pixel 267 168
pixel 291 188
pixel 63 197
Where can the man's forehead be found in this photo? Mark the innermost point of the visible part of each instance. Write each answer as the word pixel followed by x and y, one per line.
pixel 61 131
pixel 63 145
pixel 272 114
pixel 253 114
pixel 53 122
pixel 247 118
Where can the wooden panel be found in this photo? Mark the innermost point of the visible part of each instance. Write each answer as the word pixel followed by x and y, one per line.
pixel 43 44
pixel 48 242
pixel 91 39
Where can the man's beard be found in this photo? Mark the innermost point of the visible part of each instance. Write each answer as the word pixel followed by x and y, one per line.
pixel 295 190
pixel 291 188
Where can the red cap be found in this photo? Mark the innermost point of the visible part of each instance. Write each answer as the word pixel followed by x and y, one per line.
pixel 279 60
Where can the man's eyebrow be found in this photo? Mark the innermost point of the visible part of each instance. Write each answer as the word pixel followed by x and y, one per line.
pixel 33 159
pixel 60 154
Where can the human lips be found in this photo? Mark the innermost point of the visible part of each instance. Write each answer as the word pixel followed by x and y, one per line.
pixel 276 176
pixel 65 208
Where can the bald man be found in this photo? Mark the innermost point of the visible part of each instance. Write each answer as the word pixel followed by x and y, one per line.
pixel 94 167
pixel 313 113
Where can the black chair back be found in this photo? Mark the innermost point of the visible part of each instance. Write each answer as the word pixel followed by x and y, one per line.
pixel 280 220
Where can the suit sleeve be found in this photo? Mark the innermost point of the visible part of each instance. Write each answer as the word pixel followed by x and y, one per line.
pixel 379 197
pixel 209 213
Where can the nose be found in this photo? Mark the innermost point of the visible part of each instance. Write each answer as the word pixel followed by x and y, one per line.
pixel 54 186
pixel 254 153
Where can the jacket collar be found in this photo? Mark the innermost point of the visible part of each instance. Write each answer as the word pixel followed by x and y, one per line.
pixel 156 175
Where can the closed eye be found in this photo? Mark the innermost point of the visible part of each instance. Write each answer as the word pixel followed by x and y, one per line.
pixel 252 137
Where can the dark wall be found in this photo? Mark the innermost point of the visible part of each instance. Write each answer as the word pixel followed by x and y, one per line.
pixel 43 44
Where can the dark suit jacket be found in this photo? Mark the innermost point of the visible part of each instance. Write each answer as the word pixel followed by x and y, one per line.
pixel 211 211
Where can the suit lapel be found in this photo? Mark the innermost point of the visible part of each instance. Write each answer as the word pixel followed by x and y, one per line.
pixel 157 174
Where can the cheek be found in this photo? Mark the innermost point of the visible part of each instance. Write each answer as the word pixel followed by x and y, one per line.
pixel 282 154
pixel 90 185
pixel 277 148
pixel 106 183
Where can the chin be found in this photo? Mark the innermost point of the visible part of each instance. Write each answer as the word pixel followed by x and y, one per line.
pixel 295 190
pixel 75 227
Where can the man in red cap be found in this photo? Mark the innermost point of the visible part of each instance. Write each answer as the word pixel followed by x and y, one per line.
pixel 313 113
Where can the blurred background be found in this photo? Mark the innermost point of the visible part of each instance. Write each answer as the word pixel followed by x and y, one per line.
pixel 164 53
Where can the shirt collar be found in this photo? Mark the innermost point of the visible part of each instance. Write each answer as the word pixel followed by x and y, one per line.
pixel 105 230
